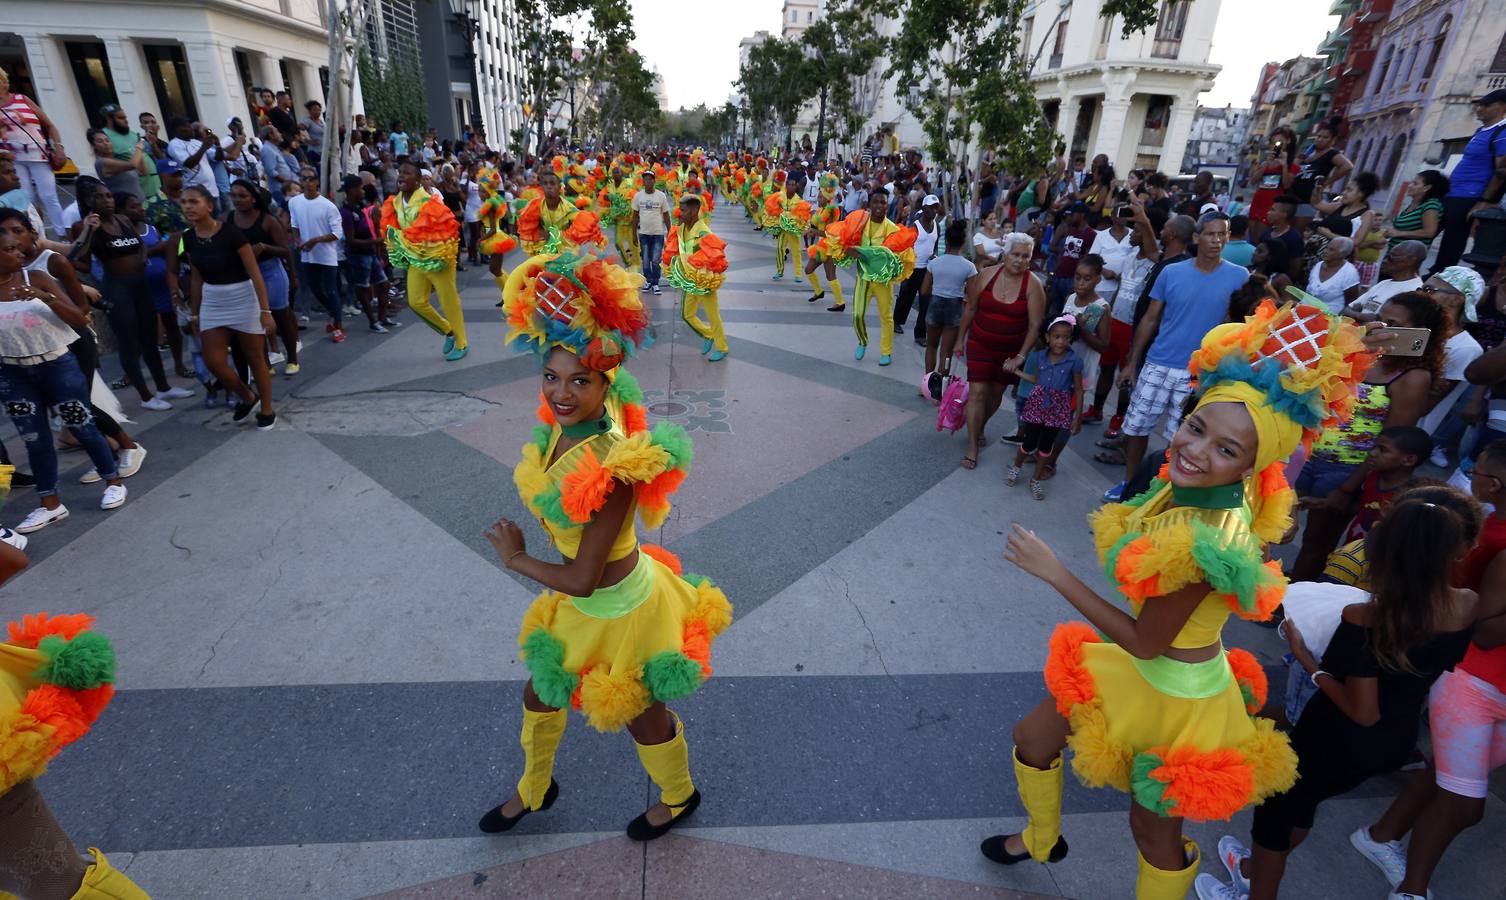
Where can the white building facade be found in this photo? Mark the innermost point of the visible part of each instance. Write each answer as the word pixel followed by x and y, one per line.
pixel 1416 112
pixel 1132 99
pixel 197 60
pixel 499 69
pixel 1217 137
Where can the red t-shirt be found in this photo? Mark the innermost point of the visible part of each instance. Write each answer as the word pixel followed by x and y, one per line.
pixel 1486 665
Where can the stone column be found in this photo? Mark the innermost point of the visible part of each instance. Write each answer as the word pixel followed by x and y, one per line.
pixel 215 84
pixel 1178 128
pixel 1114 139
pixel 133 86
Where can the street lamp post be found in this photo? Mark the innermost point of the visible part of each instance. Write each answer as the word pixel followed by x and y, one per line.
pixel 470 27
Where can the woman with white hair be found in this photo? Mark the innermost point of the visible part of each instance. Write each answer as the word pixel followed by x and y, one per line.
pixel 1001 322
pixel 1335 280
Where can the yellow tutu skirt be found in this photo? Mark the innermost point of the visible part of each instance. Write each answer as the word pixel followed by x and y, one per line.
pixel 1182 738
pixel 613 654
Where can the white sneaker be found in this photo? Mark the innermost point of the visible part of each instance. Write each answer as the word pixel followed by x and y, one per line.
pixel 41 517
pixel 1210 888
pixel 1439 458
pixel 1390 857
pixel 175 393
pixel 89 477
pixel 15 539
pixel 129 461
pixel 156 403
pixel 276 359
pixel 1231 852
pixel 114 498
pixel 1403 895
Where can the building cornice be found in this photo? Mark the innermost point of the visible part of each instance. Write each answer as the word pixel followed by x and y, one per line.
pixel 1100 67
pixel 80 24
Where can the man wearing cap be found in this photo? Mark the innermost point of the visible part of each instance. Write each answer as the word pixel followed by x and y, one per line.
pixel 123 142
pixel 1457 289
pixel 162 208
pixel 1478 181
pixel 927 230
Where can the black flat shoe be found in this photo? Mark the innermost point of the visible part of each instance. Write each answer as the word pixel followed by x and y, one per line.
pixel 496 823
pixel 840 307
pixel 242 410
pixel 814 297
pixel 640 830
pixel 993 848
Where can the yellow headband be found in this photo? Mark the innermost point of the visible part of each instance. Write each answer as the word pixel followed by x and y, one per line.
pixel 1277 436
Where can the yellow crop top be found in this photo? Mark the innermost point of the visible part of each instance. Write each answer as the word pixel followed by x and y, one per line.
pixel 1154 549
pixel 567 539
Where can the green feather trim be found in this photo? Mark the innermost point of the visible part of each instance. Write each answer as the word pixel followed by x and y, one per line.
pixel 550 505
pixel 544 656
pixel 1236 567
pixel 695 580
pixel 1249 697
pixel 85 662
pixel 671 675
pixel 1142 498
pixel 673 440
pixel 1148 791
pixel 1111 558
pixel 626 388
pixel 541 437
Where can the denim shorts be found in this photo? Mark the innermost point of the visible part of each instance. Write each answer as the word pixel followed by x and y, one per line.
pixel 363 271
pixel 944 312
pixel 1321 477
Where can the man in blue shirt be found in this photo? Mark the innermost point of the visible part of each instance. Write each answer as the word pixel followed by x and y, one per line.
pixel 1478 180
pixel 1187 301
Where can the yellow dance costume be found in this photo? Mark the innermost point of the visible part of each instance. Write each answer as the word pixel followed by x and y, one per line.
pixel 884 253
pixel 695 261
pixel 614 204
pixel 1183 738
pixel 786 217
pixel 424 239
pixel 56 677
pixel 648 638
pixel 493 212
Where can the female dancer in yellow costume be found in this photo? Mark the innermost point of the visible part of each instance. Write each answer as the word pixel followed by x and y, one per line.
pixel 424 238
pixel 615 205
pixel 828 215
pixel 56 677
pixel 1151 703
pixel 696 263
pixel 884 253
pixel 619 632
pixel 495 243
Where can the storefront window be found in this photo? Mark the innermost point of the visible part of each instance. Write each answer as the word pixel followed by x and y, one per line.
pixel 91 71
pixel 169 73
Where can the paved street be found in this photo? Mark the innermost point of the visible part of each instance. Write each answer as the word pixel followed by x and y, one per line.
pixel 320 688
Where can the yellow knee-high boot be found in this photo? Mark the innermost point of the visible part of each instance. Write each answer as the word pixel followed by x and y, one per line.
pixel 103 881
pixel 1040 793
pixel 668 764
pixel 502 283
pixel 1158 884
pixel 540 739
pixel 835 287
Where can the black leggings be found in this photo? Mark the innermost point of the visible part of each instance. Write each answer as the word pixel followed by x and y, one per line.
pixel 1036 438
pixel 86 351
pixel 134 320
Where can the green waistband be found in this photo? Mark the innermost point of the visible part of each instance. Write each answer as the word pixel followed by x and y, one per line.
pixel 1190 681
pixel 623 597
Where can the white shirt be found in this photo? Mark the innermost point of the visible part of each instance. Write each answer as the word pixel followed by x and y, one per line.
pixel 650 206
pixel 1115 254
pixel 854 200
pixel 1458 352
pixel 1370 302
pixel 812 192
pixel 316 218
pixel 991 247
pixel 925 243
pixel 1331 292
pixel 1131 283
pixel 203 176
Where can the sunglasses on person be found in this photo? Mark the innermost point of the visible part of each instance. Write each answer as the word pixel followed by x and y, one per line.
pixel 1439 289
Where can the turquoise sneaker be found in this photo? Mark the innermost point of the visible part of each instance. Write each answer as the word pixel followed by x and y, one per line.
pixel 885 360
pixel 449 345
pixel 718 356
pixel 858 353
pixel 454 354
pixel 706 346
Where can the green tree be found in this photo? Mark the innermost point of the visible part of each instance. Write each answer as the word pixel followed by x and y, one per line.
pixel 840 50
pixel 394 92
pixel 552 64
pixel 622 107
pixel 776 80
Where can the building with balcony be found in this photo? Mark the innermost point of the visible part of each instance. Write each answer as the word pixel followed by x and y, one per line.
pixel 798 15
pixel 1132 99
pixel 199 60
pixel 1356 41
pixel 1416 111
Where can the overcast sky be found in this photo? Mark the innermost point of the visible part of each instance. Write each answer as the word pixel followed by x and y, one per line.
pixel 695 48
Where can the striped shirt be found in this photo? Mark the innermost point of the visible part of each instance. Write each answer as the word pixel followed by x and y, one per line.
pixel 21 129
pixel 1410 219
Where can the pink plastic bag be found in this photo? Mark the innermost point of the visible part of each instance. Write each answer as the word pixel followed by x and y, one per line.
pixel 953 412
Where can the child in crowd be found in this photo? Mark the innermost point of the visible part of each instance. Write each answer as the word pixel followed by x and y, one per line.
pixel 1397 452
pixel 1092 314
pixel 1054 402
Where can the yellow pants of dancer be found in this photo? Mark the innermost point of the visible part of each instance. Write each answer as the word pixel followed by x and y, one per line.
pixel 420 283
pixel 884 293
pixel 627 244
pixel 786 243
pixel 711 329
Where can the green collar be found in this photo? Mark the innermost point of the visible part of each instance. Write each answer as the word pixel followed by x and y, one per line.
pixel 589 428
pixel 1227 496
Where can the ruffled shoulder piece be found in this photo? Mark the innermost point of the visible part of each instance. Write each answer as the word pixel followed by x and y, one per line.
pixel 1147 553
pixel 73 681
pixel 653 462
